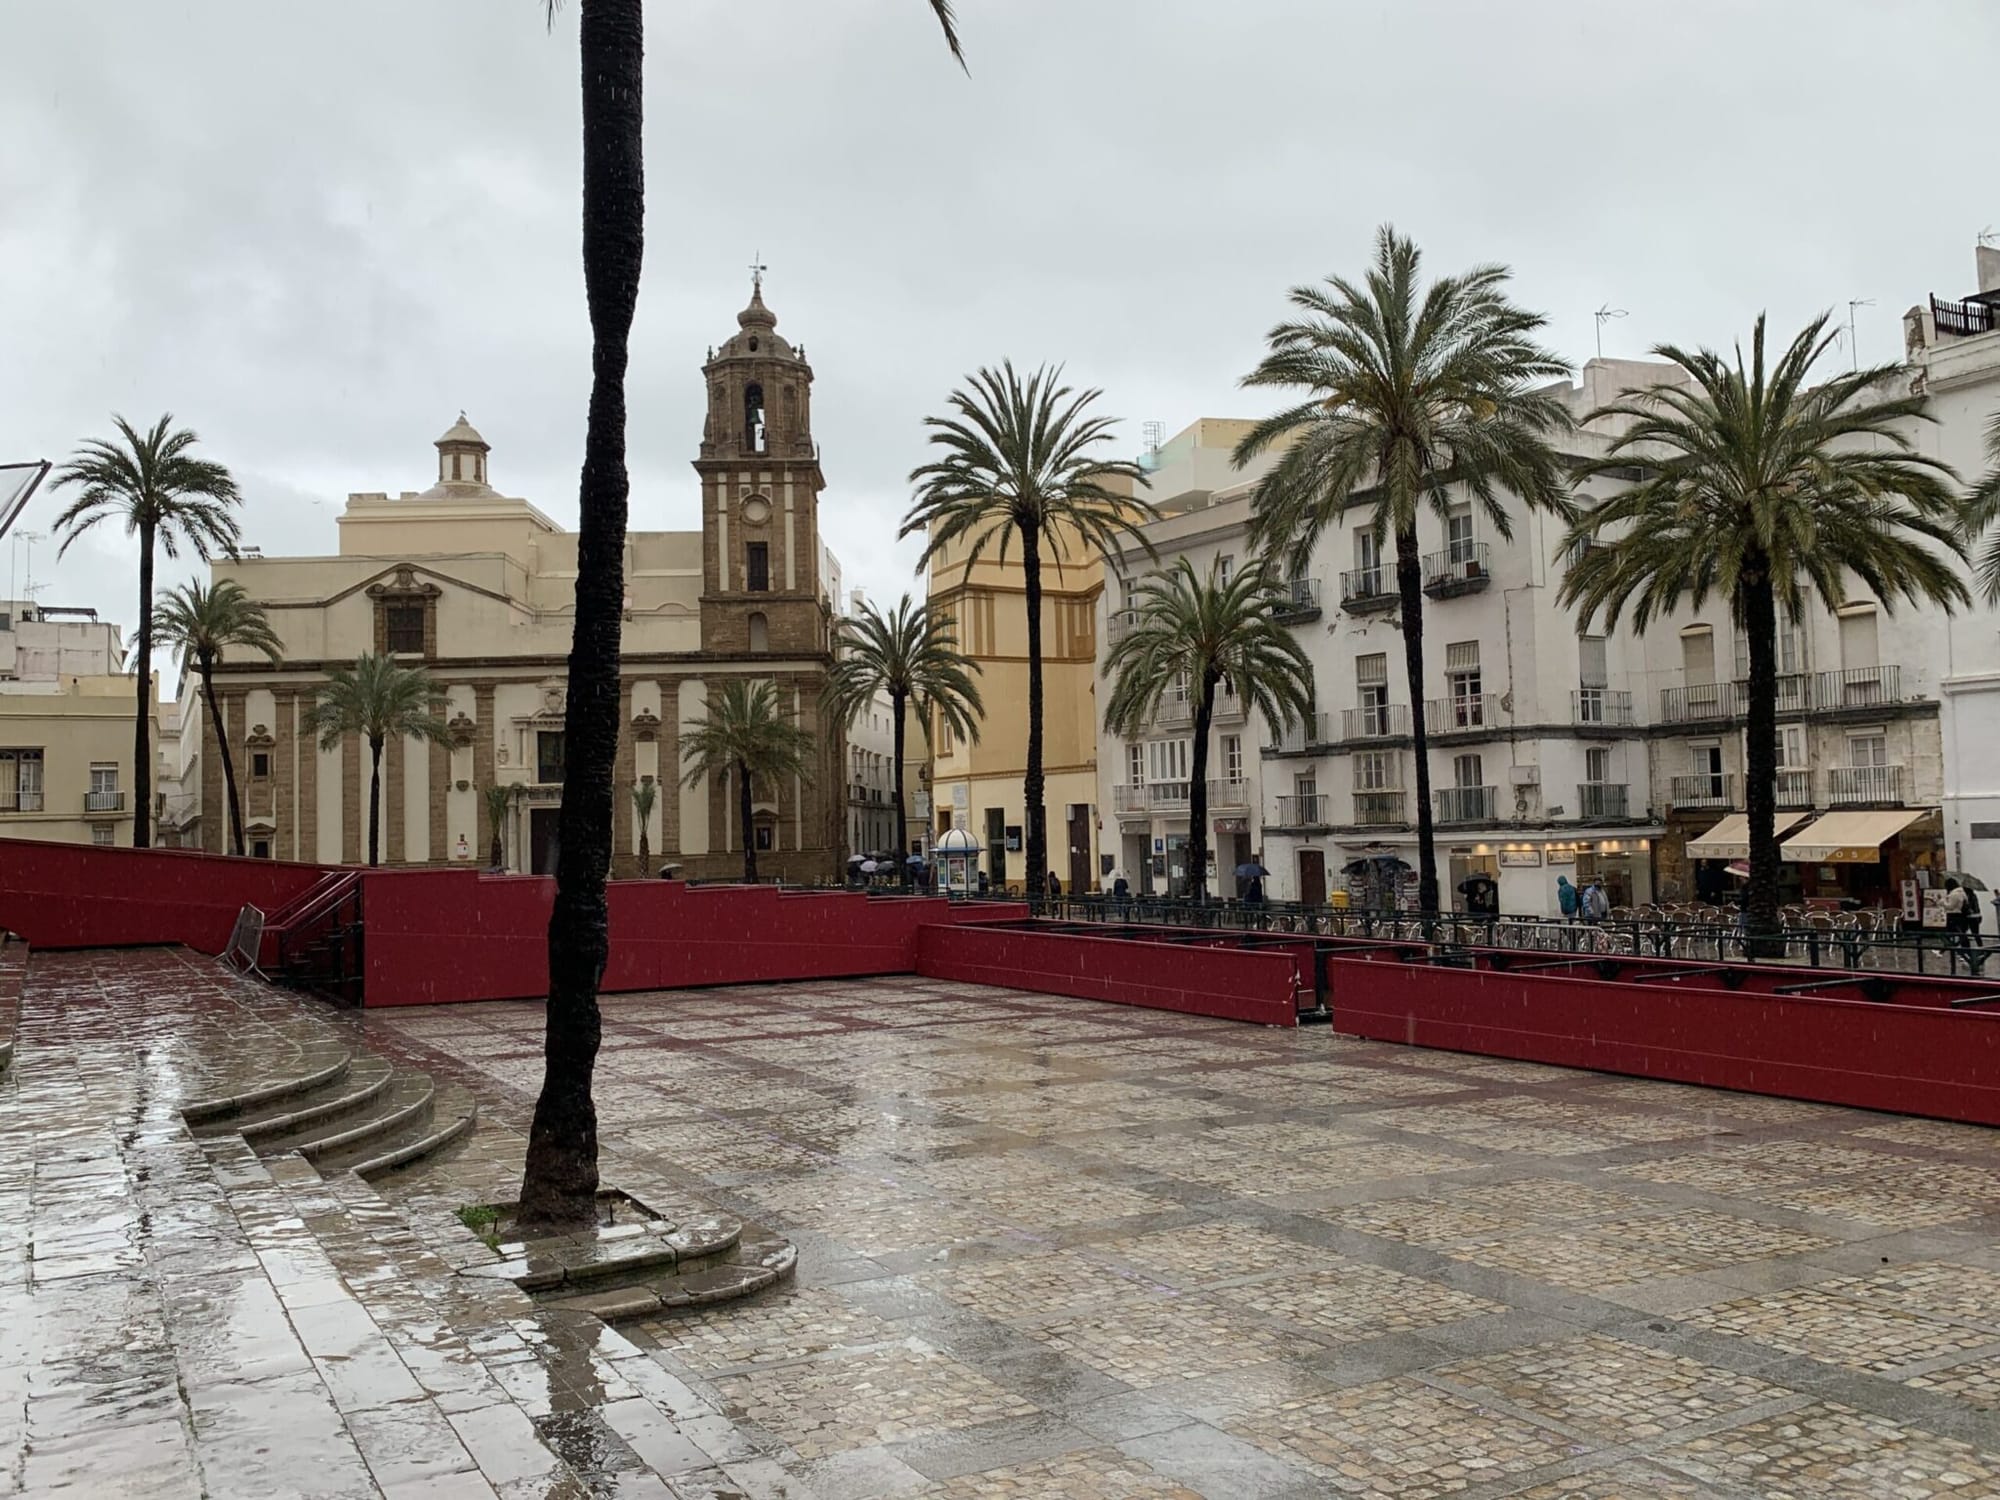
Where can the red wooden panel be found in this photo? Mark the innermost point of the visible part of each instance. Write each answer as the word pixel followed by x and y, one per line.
pixel 1233 983
pixel 1916 1058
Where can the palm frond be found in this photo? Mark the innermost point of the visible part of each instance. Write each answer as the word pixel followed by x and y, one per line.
pixel 911 656
pixel 379 700
pixel 744 725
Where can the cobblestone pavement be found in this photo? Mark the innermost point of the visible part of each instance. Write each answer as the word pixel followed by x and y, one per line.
pixel 1046 1249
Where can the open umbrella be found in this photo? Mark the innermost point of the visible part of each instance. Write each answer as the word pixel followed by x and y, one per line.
pixel 1740 868
pixel 1251 869
pixel 1970 881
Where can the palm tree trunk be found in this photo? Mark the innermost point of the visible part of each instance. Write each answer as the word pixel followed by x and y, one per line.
pixel 896 702
pixel 1410 587
pixel 374 800
pixel 1758 611
pixel 206 665
pixel 1032 782
pixel 645 845
pixel 142 717
pixel 499 850
pixel 559 1185
pixel 747 809
pixel 1197 844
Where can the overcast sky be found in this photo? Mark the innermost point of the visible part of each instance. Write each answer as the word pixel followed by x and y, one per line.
pixel 315 232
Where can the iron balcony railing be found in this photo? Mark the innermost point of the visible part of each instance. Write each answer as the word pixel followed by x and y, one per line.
pixel 1378 806
pixel 1364 589
pixel 1847 786
pixel 1467 804
pixel 1795 789
pixel 1600 706
pixel 1959 320
pixel 1167 794
pixel 19 801
pixel 1120 623
pixel 1698 702
pixel 1227 791
pixel 1228 708
pixel 1703 789
pixel 1462 569
pixel 1380 722
pixel 1174 709
pixel 1299 737
pixel 103 802
pixel 1603 799
pixel 1304 812
pixel 1130 799
pixel 1797 692
pixel 1462 712
pixel 1858 687
pixel 1299 601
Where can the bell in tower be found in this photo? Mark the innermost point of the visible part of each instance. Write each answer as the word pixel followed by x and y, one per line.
pixel 758 390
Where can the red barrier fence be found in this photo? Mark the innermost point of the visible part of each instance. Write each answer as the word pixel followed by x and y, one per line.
pixel 1915 1057
pixel 1205 981
pixel 82 896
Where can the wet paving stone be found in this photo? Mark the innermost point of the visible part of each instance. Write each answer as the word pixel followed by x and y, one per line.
pixel 1048 1249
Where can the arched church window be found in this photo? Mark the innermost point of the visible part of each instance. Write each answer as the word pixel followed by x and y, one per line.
pixel 760 633
pixel 753 416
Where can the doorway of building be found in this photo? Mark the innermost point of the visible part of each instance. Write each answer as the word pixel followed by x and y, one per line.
pixel 542 842
pixel 1465 867
pixel 1079 848
pixel 1312 877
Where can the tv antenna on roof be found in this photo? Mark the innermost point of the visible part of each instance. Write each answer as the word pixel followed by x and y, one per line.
pixel 1155 431
pixel 1987 236
pixel 1604 315
pixel 1853 349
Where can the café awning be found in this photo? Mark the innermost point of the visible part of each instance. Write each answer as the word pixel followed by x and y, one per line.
pixel 1730 839
pixel 1847 838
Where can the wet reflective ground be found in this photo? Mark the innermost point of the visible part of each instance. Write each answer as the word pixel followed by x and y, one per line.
pixel 1046 1248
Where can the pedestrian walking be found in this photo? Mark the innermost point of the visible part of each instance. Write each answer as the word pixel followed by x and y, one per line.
pixel 1566 897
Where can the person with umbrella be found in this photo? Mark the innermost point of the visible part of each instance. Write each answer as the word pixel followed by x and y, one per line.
pixel 1250 881
pixel 1970 918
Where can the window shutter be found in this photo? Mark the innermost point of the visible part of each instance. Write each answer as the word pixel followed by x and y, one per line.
pixel 1592 669
pixel 1461 656
pixel 1372 671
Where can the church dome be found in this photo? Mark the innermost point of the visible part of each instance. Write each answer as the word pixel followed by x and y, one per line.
pixel 757 336
pixel 461 463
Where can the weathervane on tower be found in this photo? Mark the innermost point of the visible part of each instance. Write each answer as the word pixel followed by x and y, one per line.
pixel 757 270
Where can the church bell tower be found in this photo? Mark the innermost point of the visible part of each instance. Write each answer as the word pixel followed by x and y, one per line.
pixel 760 484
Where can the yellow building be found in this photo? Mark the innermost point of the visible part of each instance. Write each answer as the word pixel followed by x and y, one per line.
pixel 979 787
pixel 66 759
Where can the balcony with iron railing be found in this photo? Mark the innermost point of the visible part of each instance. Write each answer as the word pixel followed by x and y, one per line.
pixel 1120 623
pixel 1299 738
pixel 1378 807
pixel 1228 791
pixel 1380 721
pixel 103 802
pixel 1797 693
pixel 1463 569
pixel 1858 687
pixel 1703 789
pixel 1794 788
pixel 1698 703
pixel 1367 590
pixel 1228 708
pixel 1467 804
pixel 1864 786
pixel 14 800
pixel 1130 801
pixel 1303 812
pixel 1174 708
pixel 1606 706
pixel 1462 713
pixel 1962 320
pixel 1298 602
pixel 1597 800
pixel 1167 796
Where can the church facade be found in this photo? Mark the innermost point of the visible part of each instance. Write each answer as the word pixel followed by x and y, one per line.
pixel 477 588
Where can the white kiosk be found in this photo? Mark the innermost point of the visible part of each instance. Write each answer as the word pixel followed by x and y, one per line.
pixel 957 856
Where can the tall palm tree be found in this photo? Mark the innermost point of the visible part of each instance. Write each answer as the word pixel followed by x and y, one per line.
pixel 500 800
pixel 1754 486
pixel 644 795
pixel 1413 393
pixel 201 623
pixel 170 500
pixel 744 734
pixel 1206 633
pixel 1017 463
pixel 1982 509
pixel 913 657
pixel 378 700
pixel 559 1181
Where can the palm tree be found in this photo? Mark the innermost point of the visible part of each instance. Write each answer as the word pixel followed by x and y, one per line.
pixel 911 656
pixel 1204 633
pixel 743 733
pixel 500 799
pixel 378 700
pixel 644 795
pixel 1017 463
pixel 1982 508
pixel 559 1181
pixel 1754 486
pixel 201 623
pixel 1412 392
pixel 169 499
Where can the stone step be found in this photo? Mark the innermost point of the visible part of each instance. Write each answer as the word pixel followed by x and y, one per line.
pixel 336 1144
pixel 453 1113
pixel 6 1055
pixel 758 1261
pixel 243 1101
pixel 366 1078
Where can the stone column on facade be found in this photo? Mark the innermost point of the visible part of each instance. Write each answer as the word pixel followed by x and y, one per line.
pixel 353 800
pixel 233 706
pixel 284 812
pixel 667 769
pixel 307 751
pixel 483 743
pixel 440 800
pixel 622 782
pixel 392 799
